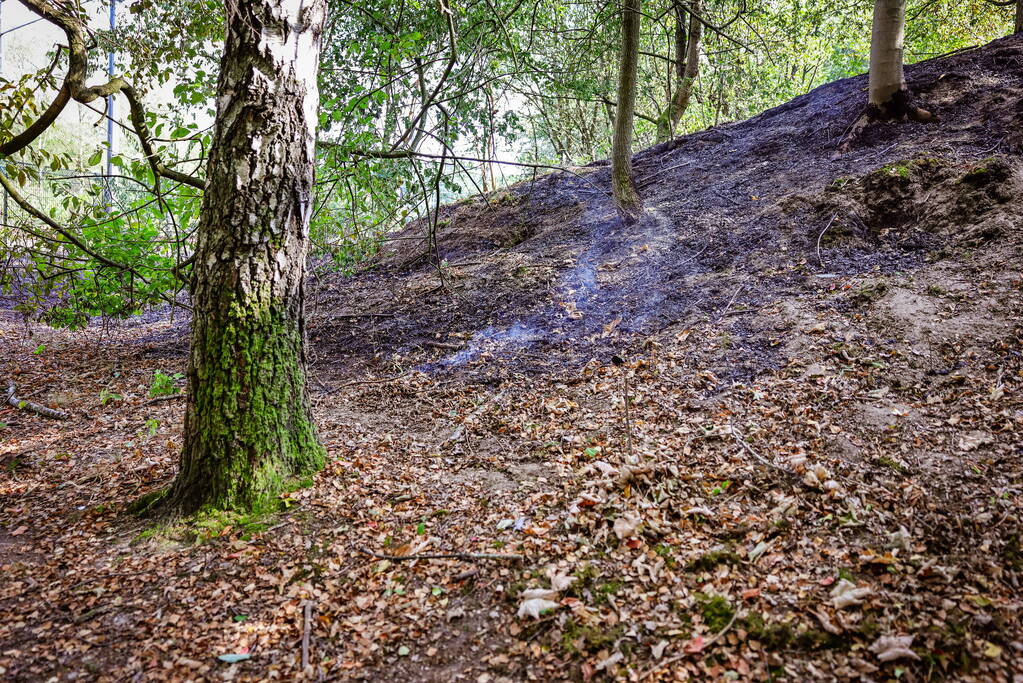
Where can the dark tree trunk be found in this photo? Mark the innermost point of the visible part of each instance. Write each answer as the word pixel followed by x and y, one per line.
pixel 248 428
pixel 687 71
pixel 622 183
pixel 1018 25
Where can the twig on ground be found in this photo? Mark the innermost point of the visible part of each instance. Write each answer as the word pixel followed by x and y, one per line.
pixel 444 346
pixel 620 362
pixel 821 236
pixel 724 311
pixel 443 556
pixel 307 623
pixel 757 456
pixel 466 575
pixel 362 315
pixel 460 429
pixel 39 409
pixel 382 380
pixel 168 397
pixel 707 643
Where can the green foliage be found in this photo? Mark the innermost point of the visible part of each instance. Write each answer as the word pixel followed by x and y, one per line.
pixel 164 385
pixel 717 612
pixel 106 396
pixel 502 79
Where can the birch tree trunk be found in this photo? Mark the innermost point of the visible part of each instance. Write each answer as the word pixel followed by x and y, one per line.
pixel 622 183
pixel 248 427
pixel 687 71
pixel 886 52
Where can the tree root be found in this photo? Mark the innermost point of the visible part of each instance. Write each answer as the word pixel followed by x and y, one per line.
pixel 37 408
pixel 900 107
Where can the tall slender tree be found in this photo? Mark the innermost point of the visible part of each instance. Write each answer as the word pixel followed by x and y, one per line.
pixel 687 68
pixel 248 426
pixel 622 182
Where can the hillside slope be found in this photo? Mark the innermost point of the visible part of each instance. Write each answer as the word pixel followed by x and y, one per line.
pixel 805 463
pixel 739 218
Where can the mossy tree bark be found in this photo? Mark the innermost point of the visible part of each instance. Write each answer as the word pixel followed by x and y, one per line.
pixel 686 71
pixel 248 427
pixel 622 183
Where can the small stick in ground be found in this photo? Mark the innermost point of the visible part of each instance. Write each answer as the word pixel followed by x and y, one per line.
pixel 444 346
pixel 443 556
pixel 168 397
pixel 460 429
pixel 749 449
pixel 620 362
pixel 307 623
pixel 821 236
pixel 37 408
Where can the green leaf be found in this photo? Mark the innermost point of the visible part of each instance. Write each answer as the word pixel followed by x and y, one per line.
pixel 96 157
pixel 403 651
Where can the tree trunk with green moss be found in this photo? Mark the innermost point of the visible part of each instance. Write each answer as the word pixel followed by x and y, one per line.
pixel 248 427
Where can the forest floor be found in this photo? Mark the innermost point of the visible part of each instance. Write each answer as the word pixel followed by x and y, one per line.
pixel 818 475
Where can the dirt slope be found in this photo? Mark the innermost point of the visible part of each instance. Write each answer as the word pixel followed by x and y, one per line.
pixel 818 476
pixel 733 220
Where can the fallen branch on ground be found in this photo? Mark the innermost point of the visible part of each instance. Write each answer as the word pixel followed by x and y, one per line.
pixel 460 429
pixel 749 449
pixel 168 397
pixel 443 556
pixel 39 409
pixel 444 346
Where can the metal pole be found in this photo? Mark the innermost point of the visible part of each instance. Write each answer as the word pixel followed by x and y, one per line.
pixel 110 99
pixel 1 38
pixel 1 76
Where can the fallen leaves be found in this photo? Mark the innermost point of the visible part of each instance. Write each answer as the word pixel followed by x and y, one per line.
pixel 848 594
pixel 890 648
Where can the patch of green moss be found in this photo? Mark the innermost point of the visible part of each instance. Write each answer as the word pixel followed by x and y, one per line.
pixel 888 462
pixel 906 167
pixel 601 593
pixel 581 639
pixel 717 612
pixel 144 505
pixel 982 171
pixel 871 291
pixel 773 636
pixel 708 561
pixel 781 636
pixel 1013 553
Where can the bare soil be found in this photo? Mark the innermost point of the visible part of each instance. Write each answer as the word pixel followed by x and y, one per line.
pixel 818 475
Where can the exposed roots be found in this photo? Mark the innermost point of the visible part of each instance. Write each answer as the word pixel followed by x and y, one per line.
pixel 900 107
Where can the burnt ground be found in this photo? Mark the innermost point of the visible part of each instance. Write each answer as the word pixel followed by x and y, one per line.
pixel 536 272
pixel 818 475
